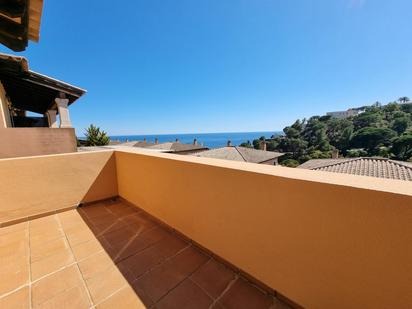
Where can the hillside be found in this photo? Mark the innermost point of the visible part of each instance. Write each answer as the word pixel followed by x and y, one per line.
pixel 380 130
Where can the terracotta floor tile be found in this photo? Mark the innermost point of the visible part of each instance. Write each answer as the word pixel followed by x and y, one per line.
pixel 68 214
pixel 74 221
pixel 75 297
pixel 150 257
pixel 105 283
pixel 47 220
pixel 9 252
pixel 121 210
pixel 17 300
pixel 13 236
pixel 217 305
pixel 126 260
pixel 125 298
pixel 107 227
pixel 277 304
pixel 45 235
pixel 14 228
pixel 76 237
pixel 167 275
pixel 139 242
pixel 127 274
pixel 86 249
pixel 104 218
pixel 186 295
pixel 144 298
pixel 17 273
pixel 39 251
pixel 213 277
pixel 120 237
pixel 50 286
pixel 75 227
pixel 139 221
pixel 95 264
pixel 92 211
pixel 244 295
pixel 51 263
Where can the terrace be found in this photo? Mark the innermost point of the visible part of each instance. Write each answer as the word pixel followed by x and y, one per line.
pixel 166 231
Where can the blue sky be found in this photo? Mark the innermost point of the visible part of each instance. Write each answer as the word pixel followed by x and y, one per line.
pixel 167 66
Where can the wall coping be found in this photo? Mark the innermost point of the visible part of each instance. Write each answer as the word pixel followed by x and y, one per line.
pixel 361 182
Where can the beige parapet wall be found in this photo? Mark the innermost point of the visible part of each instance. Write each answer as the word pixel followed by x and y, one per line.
pixel 37 185
pixel 324 240
pixel 23 142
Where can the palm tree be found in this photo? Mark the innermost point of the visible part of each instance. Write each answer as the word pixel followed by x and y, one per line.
pixel 403 99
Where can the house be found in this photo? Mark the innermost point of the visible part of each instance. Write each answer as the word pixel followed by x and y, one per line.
pixel 242 154
pixel 364 166
pixel 130 228
pixel 176 147
pixel 344 114
pixel 34 111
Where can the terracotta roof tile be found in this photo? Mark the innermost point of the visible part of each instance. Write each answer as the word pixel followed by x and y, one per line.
pixel 243 154
pixel 374 167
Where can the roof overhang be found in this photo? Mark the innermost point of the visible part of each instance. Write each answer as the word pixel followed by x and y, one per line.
pixel 20 22
pixel 32 91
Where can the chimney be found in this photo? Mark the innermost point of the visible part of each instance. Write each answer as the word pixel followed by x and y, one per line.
pixel 264 146
pixel 229 143
pixel 335 154
pixel 144 140
pixel 177 140
pixel 156 141
pixel 195 141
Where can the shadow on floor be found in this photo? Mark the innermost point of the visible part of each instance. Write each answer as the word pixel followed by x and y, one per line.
pixel 164 269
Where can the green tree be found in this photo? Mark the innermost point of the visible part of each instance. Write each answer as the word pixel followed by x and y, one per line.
pixel 340 132
pixel 96 137
pixel 407 108
pixel 355 153
pixel 290 163
pixel 403 99
pixel 246 145
pixel 368 119
pixel 370 138
pixel 402 146
pixel 400 124
pixel 257 143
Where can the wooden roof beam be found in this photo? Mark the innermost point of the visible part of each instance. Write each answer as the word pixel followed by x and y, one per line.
pixel 13 8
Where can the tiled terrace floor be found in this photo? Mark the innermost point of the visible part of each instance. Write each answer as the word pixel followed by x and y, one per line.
pixel 111 255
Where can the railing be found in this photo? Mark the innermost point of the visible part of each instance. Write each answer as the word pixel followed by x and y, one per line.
pixel 324 240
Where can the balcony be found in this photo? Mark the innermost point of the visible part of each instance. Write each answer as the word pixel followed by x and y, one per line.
pixel 166 231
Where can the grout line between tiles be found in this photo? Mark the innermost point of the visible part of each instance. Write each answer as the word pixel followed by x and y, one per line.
pixel 204 291
pixel 179 283
pixel 77 265
pixel 230 284
pixel 110 295
pixel 30 291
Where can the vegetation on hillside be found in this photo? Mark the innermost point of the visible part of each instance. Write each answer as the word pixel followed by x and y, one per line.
pixel 96 137
pixel 384 131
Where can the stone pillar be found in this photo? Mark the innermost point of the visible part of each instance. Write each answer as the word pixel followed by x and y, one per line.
pixel 51 117
pixel 63 112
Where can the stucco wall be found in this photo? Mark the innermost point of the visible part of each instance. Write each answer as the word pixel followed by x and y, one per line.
pixel 324 240
pixel 22 142
pixel 37 185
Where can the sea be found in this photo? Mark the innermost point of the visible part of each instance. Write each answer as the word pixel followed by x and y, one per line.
pixel 211 140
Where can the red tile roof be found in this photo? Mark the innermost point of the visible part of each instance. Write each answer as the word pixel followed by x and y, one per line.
pixel 364 166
